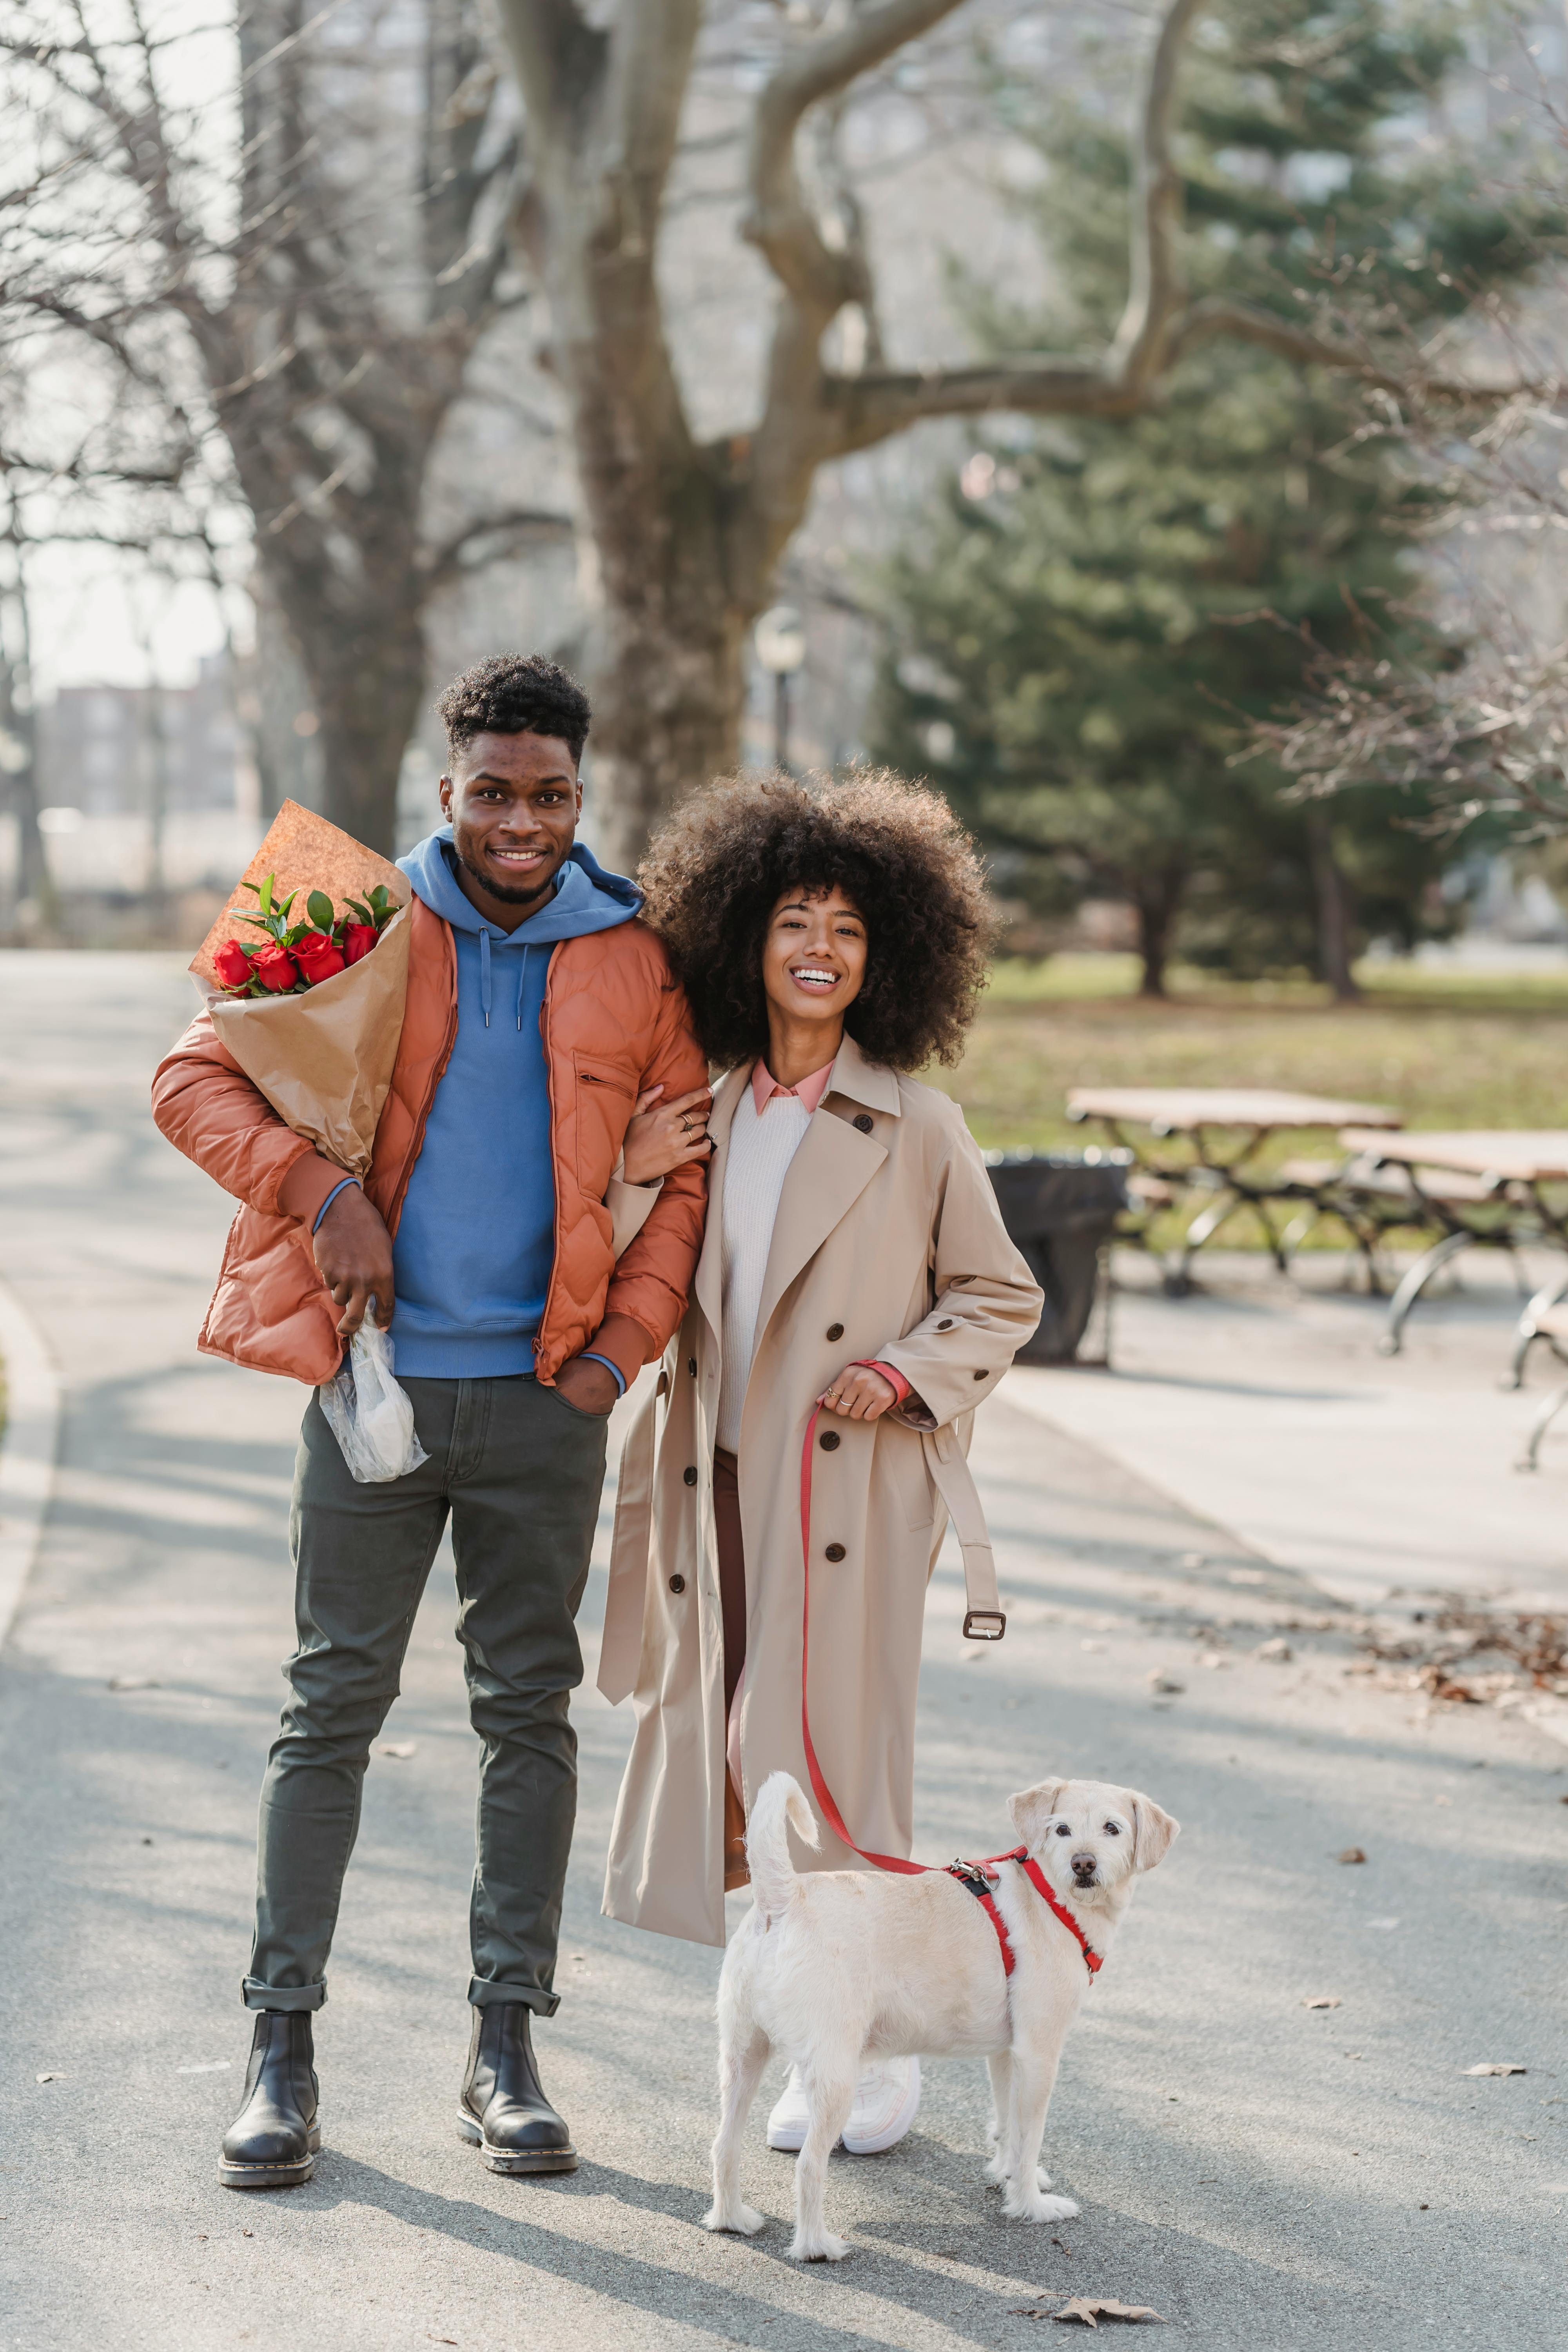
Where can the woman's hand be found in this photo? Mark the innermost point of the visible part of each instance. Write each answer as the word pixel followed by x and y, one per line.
pixel 859 1394
pixel 659 1140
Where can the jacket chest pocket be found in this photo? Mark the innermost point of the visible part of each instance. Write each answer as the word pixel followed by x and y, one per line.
pixel 606 1093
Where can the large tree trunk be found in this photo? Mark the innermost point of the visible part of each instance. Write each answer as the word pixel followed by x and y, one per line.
pixel 366 679
pixel 1333 898
pixel 666 678
pixel 1157 899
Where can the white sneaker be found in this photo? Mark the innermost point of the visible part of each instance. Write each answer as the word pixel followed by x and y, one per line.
pixel 788 2124
pixel 887 2101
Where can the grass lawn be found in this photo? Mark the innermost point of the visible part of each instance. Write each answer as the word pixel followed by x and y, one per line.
pixel 1448 1050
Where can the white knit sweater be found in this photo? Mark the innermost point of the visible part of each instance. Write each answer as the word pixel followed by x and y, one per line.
pixel 761 1149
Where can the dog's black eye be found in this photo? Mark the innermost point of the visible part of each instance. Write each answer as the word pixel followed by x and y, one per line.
pixel 1111 1829
pixel 1063 1830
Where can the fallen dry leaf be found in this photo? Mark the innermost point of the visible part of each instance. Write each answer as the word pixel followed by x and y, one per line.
pixel 1276 1653
pixel 1470 2070
pixel 1092 2309
pixel 48 2078
pixel 402 1749
pixel 1352 1853
pixel 132 1682
pixel 1161 1681
pixel 1321 2000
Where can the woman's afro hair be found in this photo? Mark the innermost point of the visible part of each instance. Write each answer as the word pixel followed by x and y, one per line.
pixel 720 864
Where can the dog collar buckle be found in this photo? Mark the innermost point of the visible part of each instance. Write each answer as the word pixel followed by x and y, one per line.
pixel 984 1624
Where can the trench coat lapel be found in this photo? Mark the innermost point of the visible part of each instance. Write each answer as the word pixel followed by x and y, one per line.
pixel 827 1175
pixel 708 1288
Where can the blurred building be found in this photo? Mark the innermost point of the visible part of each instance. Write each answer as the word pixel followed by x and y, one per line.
pixel 128 750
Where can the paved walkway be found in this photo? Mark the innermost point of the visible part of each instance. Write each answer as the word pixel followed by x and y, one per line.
pixel 1265 2176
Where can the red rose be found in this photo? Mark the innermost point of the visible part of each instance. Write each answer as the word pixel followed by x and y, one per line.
pixel 274 968
pixel 316 956
pixel 232 964
pixel 358 940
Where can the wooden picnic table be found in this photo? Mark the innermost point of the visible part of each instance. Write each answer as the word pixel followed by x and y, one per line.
pixel 1171 1110
pixel 1202 1115
pixel 1494 1201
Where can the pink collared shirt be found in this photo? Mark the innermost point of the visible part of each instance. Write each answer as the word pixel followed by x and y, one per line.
pixel 765 1086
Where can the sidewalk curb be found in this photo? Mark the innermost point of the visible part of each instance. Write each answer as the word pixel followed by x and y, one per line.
pixel 27 1449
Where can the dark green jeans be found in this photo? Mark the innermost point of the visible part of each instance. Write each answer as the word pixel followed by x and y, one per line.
pixel 519 1471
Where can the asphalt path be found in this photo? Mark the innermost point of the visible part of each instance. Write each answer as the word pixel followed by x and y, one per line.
pixel 1263 2174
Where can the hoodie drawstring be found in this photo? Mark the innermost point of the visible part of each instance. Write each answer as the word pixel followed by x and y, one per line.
pixel 522 982
pixel 485 974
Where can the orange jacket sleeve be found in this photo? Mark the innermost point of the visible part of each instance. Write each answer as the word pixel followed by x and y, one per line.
pixel 209 1109
pixel 647 1293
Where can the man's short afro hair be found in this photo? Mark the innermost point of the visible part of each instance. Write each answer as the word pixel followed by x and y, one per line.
pixel 515 693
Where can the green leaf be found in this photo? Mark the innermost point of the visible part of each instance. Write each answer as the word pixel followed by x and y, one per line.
pixel 357 907
pixel 288 902
pixel 318 907
pixel 266 895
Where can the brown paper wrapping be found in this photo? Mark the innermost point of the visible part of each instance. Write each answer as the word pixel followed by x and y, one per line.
pixel 323 1059
pixel 305 852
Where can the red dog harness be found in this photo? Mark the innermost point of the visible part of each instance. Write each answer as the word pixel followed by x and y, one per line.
pixel 978 1876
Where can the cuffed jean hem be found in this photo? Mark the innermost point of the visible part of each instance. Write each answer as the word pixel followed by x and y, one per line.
pixel 485 1993
pixel 289 1997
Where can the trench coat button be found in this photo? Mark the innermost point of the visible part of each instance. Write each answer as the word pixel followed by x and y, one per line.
pixel 690 1473
pixel 863 1121
pixel 677 1584
pixel 829 1440
pixel 981 1376
pixel 834 1553
pixel 946 1323
pixel 691 1366
pixel 836 1330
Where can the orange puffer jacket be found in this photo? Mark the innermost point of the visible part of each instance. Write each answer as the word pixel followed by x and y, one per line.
pixel 613 1022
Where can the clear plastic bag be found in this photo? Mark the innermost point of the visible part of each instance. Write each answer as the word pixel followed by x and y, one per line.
pixel 368 1413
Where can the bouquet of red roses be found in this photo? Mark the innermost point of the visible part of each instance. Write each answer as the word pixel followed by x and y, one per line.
pixel 310 1015
pixel 301 955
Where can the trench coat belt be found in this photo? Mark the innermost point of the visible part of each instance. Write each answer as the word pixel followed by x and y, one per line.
pixel 620 1649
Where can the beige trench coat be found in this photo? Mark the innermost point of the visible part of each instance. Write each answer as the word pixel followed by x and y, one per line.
pixel 888 1243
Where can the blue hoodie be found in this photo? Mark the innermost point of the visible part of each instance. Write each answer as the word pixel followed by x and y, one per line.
pixel 476 1237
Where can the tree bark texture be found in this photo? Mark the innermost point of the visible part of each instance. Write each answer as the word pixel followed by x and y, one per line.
pixel 1332 892
pixel 1157 900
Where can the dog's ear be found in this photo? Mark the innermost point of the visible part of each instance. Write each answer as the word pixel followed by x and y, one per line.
pixel 1153 1831
pixel 1031 1808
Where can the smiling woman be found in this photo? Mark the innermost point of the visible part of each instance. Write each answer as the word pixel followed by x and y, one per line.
pixel 856 1293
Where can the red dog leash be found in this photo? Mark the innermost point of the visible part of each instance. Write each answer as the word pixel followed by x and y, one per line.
pixel 972 1874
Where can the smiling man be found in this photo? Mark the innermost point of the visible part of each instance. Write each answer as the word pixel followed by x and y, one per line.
pixel 538 1009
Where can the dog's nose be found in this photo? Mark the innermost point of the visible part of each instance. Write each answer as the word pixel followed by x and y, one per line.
pixel 1084 1865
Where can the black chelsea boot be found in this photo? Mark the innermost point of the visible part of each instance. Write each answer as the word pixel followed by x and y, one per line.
pixel 272 2142
pixel 503 2111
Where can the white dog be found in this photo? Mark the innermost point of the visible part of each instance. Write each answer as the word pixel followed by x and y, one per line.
pixel 842 1965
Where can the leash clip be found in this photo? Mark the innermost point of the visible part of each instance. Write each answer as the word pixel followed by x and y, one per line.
pixel 984 1624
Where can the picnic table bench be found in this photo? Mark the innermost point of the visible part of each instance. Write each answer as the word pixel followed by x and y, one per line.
pixel 1205 1117
pixel 1484 1187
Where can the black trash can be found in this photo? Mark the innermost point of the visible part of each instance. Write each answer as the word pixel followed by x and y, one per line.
pixel 1062 1208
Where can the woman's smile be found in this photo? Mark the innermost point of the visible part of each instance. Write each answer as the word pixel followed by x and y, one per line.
pixel 815 977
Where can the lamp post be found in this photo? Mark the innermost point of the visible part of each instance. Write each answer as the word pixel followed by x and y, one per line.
pixel 780 640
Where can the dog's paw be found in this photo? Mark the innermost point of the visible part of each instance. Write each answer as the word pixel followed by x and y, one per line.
pixel 824 2248
pixel 742 2219
pixel 1040 2209
pixel 995 2171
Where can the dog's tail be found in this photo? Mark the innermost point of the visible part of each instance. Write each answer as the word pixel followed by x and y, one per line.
pixel 779 1808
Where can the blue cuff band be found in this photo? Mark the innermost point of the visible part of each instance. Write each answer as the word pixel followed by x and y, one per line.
pixel 331 1196
pixel 589 1357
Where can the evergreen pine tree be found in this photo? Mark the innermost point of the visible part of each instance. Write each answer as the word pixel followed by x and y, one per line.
pixel 1075 640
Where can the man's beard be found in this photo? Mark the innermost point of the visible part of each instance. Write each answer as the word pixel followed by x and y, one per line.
pixel 507 896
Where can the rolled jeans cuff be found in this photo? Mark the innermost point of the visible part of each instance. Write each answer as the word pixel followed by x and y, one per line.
pixel 485 1993
pixel 256 1995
